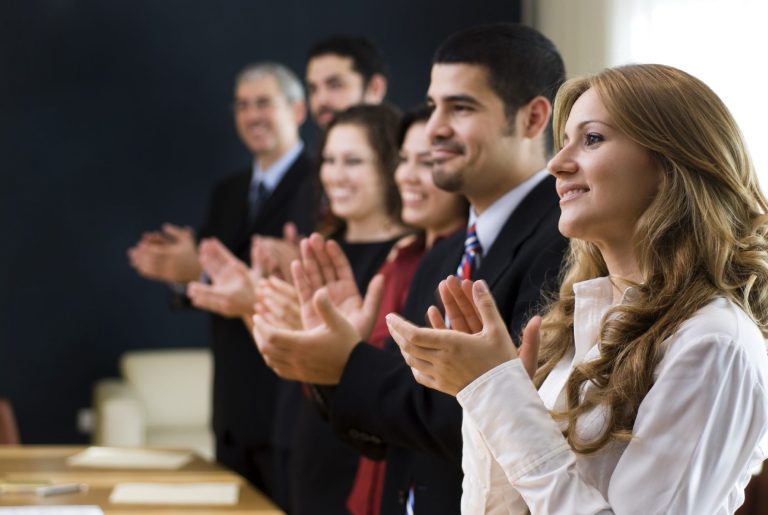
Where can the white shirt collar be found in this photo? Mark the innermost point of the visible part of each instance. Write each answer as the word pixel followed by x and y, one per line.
pixel 272 176
pixel 488 225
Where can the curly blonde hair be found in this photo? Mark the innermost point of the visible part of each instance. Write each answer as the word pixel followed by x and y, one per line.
pixel 703 236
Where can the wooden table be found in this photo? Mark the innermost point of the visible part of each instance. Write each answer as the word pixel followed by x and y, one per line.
pixel 48 463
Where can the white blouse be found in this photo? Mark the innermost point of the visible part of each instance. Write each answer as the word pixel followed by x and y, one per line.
pixel 697 437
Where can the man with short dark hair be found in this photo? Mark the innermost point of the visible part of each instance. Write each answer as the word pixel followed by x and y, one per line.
pixel 343 71
pixel 491 92
pixel 276 188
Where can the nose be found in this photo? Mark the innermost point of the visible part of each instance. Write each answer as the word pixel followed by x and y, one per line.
pixel 438 126
pixel 405 173
pixel 562 163
pixel 319 98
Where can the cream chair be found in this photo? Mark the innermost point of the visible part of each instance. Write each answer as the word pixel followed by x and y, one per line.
pixel 162 400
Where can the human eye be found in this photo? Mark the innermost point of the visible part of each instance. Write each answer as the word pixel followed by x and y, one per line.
pixel 327 160
pixel 334 84
pixel 240 105
pixel 353 161
pixel 402 158
pixel 593 138
pixel 462 108
pixel 425 162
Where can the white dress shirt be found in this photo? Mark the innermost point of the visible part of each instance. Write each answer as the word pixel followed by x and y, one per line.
pixel 696 438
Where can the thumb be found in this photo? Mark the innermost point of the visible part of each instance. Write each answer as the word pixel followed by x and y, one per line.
pixel 486 306
pixel 290 232
pixel 327 310
pixel 177 232
pixel 529 349
pixel 371 305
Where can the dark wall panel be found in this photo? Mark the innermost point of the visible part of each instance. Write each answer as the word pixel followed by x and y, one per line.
pixel 114 117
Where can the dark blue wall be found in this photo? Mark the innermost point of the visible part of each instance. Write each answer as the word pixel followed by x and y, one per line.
pixel 114 117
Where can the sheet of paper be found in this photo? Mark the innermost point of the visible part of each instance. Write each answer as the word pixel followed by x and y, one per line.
pixel 127 458
pixel 175 493
pixel 51 510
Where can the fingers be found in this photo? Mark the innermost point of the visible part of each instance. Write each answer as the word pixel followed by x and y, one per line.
pixel 214 256
pixel 279 305
pixel 339 261
pixel 407 336
pixel 304 289
pixel 369 311
pixel 435 318
pixel 529 349
pixel 291 232
pixel 486 307
pixel 311 268
pixel 273 346
pixel 178 233
pixel 324 263
pixel 459 305
pixel 282 288
pixel 204 297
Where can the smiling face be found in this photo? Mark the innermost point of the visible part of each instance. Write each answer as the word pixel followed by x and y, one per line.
pixel 473 146
pixel 266 122
pixel 350 175
pixel 332 85
pixel 424 204
pixel 605 180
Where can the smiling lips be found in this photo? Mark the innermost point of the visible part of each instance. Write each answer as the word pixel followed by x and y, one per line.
pixel 570 192
pixel 411 197
pixel 444 151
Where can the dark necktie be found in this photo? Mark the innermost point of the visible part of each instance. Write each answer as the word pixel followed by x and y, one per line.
pixel 257 196
pixel 472 253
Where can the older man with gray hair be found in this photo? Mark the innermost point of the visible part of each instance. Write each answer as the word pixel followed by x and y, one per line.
pixel 277 187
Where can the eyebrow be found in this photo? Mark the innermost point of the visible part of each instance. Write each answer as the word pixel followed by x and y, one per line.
pixel 466 99
pixel 587 122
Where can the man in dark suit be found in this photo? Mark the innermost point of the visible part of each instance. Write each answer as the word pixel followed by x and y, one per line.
pixel 491 90
pixel 277 188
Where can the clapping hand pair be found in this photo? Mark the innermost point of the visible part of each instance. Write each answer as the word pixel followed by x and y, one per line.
pixel 449 359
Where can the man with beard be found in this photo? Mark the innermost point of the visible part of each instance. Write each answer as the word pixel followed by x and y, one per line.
pixel 343 71
pixel 276 188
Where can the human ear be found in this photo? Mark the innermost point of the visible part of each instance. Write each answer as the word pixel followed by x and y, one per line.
pixel 376 89
pixel 299 109
pixel 536 115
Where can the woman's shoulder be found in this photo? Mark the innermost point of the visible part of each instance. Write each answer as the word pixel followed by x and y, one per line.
pixel 722 330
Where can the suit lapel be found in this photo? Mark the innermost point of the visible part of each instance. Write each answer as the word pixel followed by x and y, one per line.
pixel 520 225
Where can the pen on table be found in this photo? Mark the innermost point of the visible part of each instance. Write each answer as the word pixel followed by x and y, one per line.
pixel 64 488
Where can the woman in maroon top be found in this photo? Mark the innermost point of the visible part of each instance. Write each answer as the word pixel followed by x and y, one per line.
pixel 438 214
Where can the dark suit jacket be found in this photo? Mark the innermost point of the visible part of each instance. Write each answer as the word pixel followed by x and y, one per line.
pixel 378 403
pixel 244 388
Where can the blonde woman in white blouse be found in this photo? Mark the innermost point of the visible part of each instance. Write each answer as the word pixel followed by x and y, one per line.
pixel 651 362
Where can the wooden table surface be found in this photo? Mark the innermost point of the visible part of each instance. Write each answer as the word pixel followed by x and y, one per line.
pixel 48 463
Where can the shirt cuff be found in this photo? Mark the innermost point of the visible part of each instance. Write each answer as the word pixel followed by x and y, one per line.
pixel 506 409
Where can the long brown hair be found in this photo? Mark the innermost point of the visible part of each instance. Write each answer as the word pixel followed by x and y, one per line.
pixel 703 236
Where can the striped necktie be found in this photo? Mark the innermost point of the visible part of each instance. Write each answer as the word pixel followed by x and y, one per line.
pixel 472 253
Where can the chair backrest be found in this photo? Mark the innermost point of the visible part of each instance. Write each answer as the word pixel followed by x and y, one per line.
pixel 174 385
pixel 9 432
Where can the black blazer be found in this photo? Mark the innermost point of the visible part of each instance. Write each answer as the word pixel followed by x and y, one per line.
pixel 244 388
pixel 378 406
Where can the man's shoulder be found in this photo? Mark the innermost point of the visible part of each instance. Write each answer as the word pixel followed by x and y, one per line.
pixel 234 180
